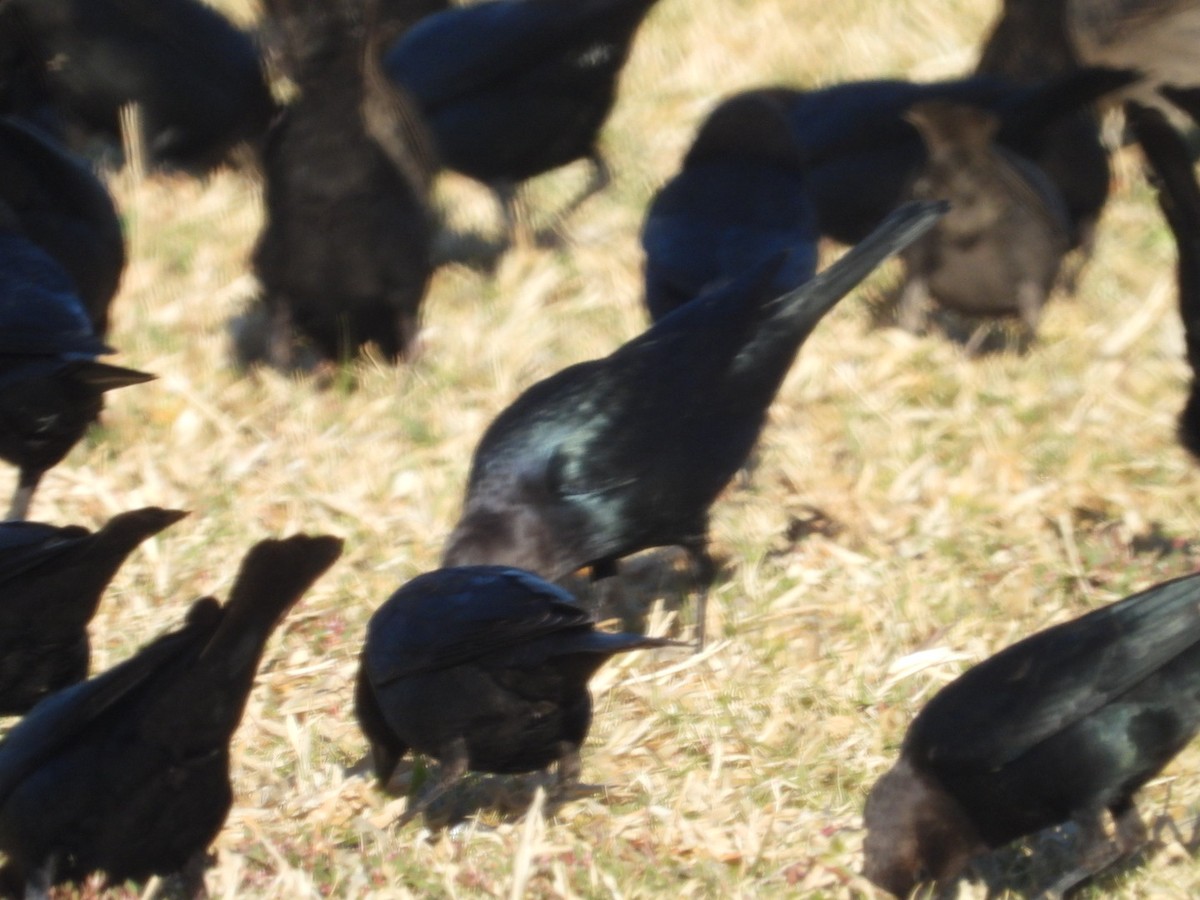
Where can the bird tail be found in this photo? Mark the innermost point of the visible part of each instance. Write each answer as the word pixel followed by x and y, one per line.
pixel 803 308
pixel 85 577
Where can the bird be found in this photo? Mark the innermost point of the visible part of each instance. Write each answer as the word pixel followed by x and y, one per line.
pixel 62 206
pixel 1061 726
pixel 51 384
pixel 344 254
pixel 738 200
pixel 484 668
pixel 197 80
pixel 127 773
pixel 625 453
pixel 998 250
pixel 515 88
pixel 1070 150
pixel 51 581
pixel 862 155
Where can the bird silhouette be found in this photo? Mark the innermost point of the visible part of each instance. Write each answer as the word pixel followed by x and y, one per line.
pixel 127 773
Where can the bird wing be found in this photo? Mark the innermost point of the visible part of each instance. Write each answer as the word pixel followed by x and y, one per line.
pixel 1004 706
pixel 26 545
pixel 61 717
pixel 452 616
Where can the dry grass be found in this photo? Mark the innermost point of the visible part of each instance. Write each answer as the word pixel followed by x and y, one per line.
pixel 974 502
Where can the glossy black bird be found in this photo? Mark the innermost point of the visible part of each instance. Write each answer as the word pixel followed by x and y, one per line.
pixel 1063 725
pixel 344 255
pixel 484 668
pixel 51 581
pixel 195 77
pixel 998 250
pixel 63 207
pixel 128 773
pixel 51 386
pixel 738 201
pixel 862 154
pixel 628 452
pixel 515 88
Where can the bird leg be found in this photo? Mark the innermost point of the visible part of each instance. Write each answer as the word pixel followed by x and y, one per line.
pixel 39 882
pixel 23 496
pixel 600 179
pixel 704 570
pixel 569 766
pixel 1096 851
pixel 607 590
pixel 454 761
pixel 913 307
pixel 1179 198
pixel 517 221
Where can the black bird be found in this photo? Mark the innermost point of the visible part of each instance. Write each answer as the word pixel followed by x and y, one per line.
pixel 484 668
pixel 63 207
pixel 862 154
pixel 628 452
pixel 196 79
pixel 1061 726
pixel 998 250
pixel 128 773
pixel 51 581
pixel 515 88
pixel 51 386
pixel 344 256
pixel 738 201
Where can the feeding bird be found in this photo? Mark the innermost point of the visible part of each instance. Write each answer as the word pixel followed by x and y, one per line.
pixel 1061 726
pixel 515 88
pixel 484 668
pixel 628 452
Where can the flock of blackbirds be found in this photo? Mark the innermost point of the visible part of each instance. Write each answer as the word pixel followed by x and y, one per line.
pixel 983 184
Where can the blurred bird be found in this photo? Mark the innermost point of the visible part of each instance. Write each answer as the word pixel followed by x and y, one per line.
pixel 51 386
pixel 628 452
pixel 1061 726
pixel 515 88
pixel 738 201
pixel 998 250
pixel 128 773
pixel 862 155
pixel 344 255
pixel 51 581
pixel 484 668
pixel 63 207
pixel 196 79
pixel 1069 150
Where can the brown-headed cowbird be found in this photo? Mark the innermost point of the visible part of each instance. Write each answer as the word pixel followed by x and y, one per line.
pixel 484 668
pixel 1059 727
pixel 738 201
pixel 861 155
pixel 626 453
pixel 515 88
pixel 344 254
pixel 998 250
pixel 128 773
pixel 51 581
